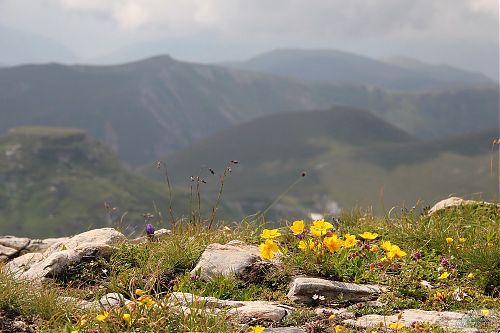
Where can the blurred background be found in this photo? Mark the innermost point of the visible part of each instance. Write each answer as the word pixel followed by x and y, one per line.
pixel 326 106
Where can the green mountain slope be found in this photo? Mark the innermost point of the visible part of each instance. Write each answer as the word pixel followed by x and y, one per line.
pixel 146 109
pixel 54 182
pixel 351 158
pixel 335 66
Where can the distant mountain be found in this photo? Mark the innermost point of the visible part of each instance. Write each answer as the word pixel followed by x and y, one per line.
pixel 54 182
pixel 352 159
pixel 18 47
pixel 341 67
pixel 150 108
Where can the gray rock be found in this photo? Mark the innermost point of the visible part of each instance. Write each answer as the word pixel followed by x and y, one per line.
pixel 454 202
pixel 40 245
pixel 233 258
pixel 94 243
pixel 304 288
pixel 7 251
pixel 16 243
pixel 284 330
pixel 111 300
pixel 243 310
pixel 445 319
pixel 261 310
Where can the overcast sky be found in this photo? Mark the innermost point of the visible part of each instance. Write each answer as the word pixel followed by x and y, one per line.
pixel 463 33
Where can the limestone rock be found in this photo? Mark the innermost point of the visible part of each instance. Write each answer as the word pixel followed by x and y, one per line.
pixel 448 203
pixel 233 258
pixel 17 243
pixel 91 244
pixel 261 310
pixel 40 245
pixel 111 300
pixel 7 251
pixel 445 319
pixel 243 310
pixel 304 288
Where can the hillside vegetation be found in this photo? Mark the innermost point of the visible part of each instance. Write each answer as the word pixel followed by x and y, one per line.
pixel 350 157
pixel 55 182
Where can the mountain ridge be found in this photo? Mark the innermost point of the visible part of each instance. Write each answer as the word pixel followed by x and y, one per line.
pixel 334 66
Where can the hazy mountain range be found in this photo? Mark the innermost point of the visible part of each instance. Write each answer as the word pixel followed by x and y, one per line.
pixel 398 73
pixel 149 108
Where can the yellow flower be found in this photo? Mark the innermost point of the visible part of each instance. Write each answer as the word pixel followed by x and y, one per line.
pixel 332 243
pixel 320 227
pixel 443 276
pixel 368 235
pixel 386 246
pixel 139 292
pixel 308 245
pixel 257 329
pixel 339 328
pixel 350 240
pixel 127 318
pixel 146 300
pixel 470 275
pixel 297 227
pixel 74 331
pixel 268 249
pixel 449 240
pixel 102 316
pixel 395 251
pixel 485 312
pixel 461 240
pixel 439 296
pixel 270 233
pixel 374 248
pixel 396 326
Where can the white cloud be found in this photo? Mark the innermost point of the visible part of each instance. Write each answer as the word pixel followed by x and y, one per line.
pixel 316 19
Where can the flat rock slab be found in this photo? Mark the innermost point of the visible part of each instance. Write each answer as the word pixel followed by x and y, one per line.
pixel 445 319
pixel 17 243
pixel 231 259
pixel 303 289
pixel 243 310
pixel 284 330
pixel 58 256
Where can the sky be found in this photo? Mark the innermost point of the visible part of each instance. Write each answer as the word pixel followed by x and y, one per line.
pixel 462 33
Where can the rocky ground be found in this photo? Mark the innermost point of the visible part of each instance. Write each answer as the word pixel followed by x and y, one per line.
pixel 336 305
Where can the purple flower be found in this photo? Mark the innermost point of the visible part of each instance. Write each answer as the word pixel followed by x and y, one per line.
pixel 417 255
pixel 150 230
pixel 445 262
